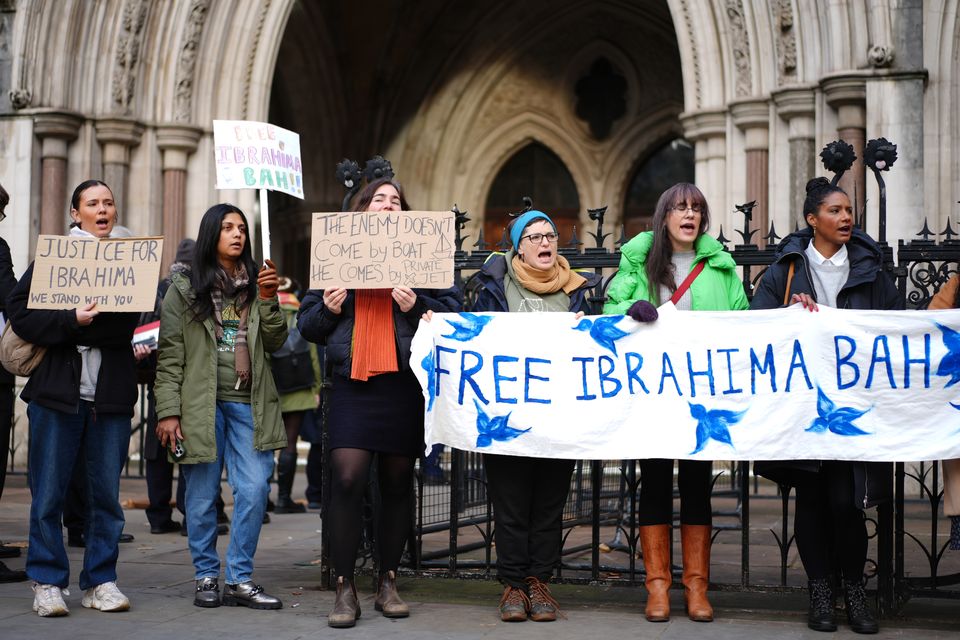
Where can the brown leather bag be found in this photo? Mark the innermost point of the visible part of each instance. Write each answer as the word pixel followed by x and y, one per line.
pixel 18 356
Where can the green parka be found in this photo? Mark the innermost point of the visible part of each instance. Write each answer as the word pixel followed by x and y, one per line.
pixel 717 288
pixel 186 383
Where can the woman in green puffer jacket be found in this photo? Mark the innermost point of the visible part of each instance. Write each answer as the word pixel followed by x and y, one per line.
pixel 652 267
pixel 216 396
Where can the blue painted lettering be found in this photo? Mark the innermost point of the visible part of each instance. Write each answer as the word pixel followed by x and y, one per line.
pixel 498 377
pixel 844 361
pixel 796 362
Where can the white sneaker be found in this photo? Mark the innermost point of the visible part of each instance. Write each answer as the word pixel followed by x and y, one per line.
pixel 48 600
pixel 105 597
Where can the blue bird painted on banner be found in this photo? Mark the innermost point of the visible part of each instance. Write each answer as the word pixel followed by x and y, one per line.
pixel 950 364
pixel 604 331
pixel 495 428
pixel 469 329
pixel 431 369
pixel 713 423
pixel 836 420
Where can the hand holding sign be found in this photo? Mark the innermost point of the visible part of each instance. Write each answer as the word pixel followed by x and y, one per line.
pixel 405 298
pixel 267 281
pixel 333 299
pixel 86 315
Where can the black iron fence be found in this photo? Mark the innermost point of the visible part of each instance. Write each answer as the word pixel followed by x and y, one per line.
pixel 453 525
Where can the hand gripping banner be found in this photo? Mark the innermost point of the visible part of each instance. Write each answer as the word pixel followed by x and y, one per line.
pixel 750 385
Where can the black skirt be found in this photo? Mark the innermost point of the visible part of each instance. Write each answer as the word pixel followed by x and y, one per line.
pixel 383 414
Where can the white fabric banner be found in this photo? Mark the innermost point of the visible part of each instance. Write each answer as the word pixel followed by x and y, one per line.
pixel 749 385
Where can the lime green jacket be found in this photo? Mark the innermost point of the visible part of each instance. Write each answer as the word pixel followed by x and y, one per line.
pixel 717 288
pixel 186 383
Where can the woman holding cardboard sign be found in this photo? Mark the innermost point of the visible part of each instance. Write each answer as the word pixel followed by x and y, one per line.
pixel 216 400
pixel 80 401
pixel 835 264
pixel 376 407
pixel 679 262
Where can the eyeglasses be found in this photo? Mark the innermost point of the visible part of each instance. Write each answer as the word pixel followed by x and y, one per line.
pixel 537 238
pixel 682 207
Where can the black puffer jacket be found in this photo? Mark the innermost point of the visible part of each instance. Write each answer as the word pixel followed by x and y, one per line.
pixel 492 297
pixel 55 384
pixel 318 324
pixel 868 287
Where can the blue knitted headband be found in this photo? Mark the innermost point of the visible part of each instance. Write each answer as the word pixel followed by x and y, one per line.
pixel 525 220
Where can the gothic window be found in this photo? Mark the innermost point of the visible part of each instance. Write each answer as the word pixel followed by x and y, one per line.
pixel 537 172
pixel 669 165
pixel 601 97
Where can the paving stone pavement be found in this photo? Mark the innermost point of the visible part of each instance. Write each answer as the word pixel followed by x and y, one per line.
pixel 155 572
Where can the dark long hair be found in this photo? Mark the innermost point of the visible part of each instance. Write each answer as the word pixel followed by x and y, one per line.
pixel 659 260
pixel 203 273
pixel 365 197
pixel 83 186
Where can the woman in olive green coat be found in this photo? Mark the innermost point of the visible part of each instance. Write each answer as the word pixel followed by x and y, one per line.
pixel 216 399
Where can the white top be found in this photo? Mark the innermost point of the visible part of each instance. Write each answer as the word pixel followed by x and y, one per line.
pixel 829 274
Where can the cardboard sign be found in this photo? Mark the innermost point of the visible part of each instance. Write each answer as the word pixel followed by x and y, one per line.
pixel 257 155
pixel 119 274
pixel 382 249
pixel 779 384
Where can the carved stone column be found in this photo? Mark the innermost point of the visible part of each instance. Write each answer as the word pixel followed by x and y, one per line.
pixel 848 95
pixel 55 129
pixel 176 142
pixel 753 118
pixel 796 106
pixel 707 130
pixel 118 135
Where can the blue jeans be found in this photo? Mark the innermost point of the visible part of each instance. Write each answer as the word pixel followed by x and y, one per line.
pixel 247 472
pixel 57 439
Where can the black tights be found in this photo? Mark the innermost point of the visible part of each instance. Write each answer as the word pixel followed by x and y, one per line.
pixel 830 529
pixel 350 473
pixel 655 505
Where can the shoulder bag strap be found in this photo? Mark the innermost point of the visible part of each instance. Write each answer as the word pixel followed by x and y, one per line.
pixel 682 289
pixel 786 290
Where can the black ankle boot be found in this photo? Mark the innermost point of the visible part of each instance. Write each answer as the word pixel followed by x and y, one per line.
pixel 858 611
pixel 822 614
pixel 286 468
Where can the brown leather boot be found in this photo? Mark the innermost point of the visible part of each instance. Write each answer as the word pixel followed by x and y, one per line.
pixel 655 542
pixel 695 539
pixel 346 609
pixel 388 600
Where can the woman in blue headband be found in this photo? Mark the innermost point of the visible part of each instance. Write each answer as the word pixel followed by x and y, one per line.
pixel 529 494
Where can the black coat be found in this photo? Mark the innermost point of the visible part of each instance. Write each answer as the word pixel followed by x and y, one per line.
pixel 335 330
pixel 55 384
pixel 868 286
pixel 7 282
pixel 492 297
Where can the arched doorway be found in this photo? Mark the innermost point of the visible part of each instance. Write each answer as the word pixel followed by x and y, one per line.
pixel 538 173
pixel 668 165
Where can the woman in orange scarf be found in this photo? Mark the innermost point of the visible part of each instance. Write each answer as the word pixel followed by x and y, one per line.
pixel 376 407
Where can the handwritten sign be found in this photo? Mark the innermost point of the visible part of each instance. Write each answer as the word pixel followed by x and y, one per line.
pixel 750 385
pixel 383 249
pixel 257 155
pixel 119 274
